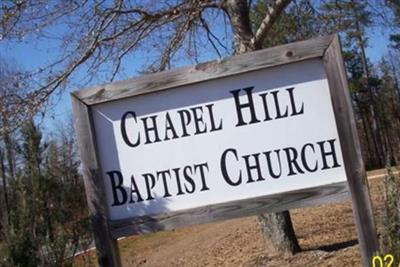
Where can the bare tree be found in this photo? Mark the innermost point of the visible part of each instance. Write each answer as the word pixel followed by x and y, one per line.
pixel 276 227
pixel 9 88
pixel 97 35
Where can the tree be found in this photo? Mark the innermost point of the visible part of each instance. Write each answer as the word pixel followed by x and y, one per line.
pixel 24 232
pixel 9 83
pixel 102 34
pixel 390 238
pixel 299 21
pixel 395 7
pixel 46 222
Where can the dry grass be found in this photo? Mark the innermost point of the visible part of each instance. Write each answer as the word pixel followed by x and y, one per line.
pixel 326 234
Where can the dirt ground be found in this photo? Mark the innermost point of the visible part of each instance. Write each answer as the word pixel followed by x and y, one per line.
pixel 326 235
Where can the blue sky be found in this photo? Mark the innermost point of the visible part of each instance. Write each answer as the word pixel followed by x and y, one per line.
pixel 30 54
pixel 377 44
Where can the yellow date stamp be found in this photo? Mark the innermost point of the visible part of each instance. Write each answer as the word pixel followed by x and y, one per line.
pixel 387 260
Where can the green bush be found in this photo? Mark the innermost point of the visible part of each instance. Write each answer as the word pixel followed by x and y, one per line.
pixel 390 236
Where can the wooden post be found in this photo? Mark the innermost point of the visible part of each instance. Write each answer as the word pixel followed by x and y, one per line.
pixel 106 246
pixel 326 49
pixel 354 165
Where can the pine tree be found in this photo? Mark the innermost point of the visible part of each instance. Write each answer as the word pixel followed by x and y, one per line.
pixel 299 21
pixel 25 233
pixel 47 225
pixel 395 7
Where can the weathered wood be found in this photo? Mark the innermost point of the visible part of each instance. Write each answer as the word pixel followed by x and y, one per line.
pixel 324 48
pixel 252 61
pixel 354 165
pixel 235 209
pixel 106 246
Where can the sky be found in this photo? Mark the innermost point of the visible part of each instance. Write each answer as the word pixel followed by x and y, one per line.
pixel 30 54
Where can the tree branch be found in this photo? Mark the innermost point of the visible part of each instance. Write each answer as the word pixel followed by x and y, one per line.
pixel 238 13
pixel 273 12
pixel 210 35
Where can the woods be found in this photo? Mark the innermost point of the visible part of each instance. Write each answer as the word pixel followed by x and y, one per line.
pixel 42 219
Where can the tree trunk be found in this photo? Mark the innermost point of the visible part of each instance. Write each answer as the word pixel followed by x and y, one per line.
pixel 9 147
pixel 375 123
pixel 5 189
pixel 277 228
pixel 238 12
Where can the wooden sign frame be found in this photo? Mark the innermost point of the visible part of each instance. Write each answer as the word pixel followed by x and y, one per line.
pixel 326 48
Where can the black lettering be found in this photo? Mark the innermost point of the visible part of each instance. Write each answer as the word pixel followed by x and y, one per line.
pixel 293 104
pixel 213 127
pixel 164 177
pixel 189 179
pixel 178 181
pixel 304 158
pixel 123 129
pixel 224 170
pixel 185 121
pixel 201 167
pixel 148 129
pixel 279 115
pixel 198 118
pixel 255 166
pixel 169 127
pixel 325 154
pixel 135 189
pixel 150 183
pixel 240 106
pixel 117 186
pixel 266 111
pixel 291 155
pixel 270 168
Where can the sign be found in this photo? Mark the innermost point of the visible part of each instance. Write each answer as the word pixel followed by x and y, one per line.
pixel 266 131
pixel 259 133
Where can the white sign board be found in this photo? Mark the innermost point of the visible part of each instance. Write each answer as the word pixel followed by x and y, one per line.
pixel 259 133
